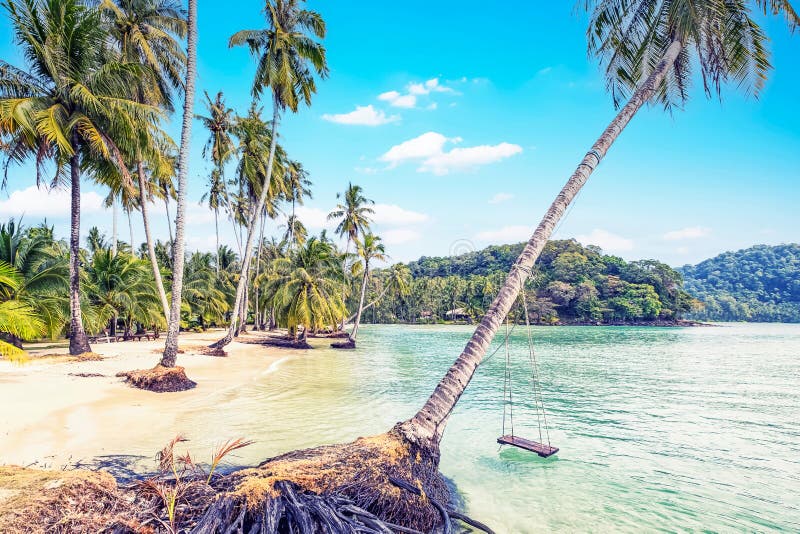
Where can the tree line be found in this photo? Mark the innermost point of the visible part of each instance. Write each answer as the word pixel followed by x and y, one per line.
pixel 760 283
pixel 571 283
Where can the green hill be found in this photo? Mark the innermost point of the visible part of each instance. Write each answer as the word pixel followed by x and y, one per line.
pixel 761 283
pixel 571 284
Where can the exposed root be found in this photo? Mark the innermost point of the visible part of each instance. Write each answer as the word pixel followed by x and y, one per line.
pixel 359 471
pixel 350 344
pixel 87 375
pixel 35 501
pixel 159 379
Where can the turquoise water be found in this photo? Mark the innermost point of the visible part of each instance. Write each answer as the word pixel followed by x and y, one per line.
pixel 659 429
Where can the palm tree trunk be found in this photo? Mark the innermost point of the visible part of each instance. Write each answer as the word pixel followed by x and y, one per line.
pixel 78 341
pixel 429 422
pixel 252 225
pixel 344 280
pixel 216 230
pixel 130 229
pixel 258 272
pixel 114 237
pixel 171 345
pixel 370 304
pixel 169 220
pixel 151 251
pixel 354 334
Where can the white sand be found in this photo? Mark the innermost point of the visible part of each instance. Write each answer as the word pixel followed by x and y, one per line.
pixel 48 417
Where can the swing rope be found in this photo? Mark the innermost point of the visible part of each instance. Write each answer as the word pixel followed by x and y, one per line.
pixel 538 400
pixel 508 400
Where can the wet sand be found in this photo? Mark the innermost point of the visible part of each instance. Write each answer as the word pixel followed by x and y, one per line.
pixel 49 417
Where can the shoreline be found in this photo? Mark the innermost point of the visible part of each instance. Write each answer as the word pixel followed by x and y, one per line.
pixel 54 410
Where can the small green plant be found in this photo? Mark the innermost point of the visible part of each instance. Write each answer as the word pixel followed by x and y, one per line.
pixel 180 479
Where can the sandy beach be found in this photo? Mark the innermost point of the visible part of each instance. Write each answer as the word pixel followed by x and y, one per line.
pixel 52 417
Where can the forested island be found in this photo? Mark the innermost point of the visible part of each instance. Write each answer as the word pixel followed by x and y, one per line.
pixel 576 284
pixel 570 284
pixel 760 283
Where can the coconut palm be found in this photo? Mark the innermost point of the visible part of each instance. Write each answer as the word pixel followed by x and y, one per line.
pixel 298 187
pixel 296 233
pixel 650 50
pixel 221 148
pixel 146 32
pixel 396 281
pixel 42 266
pixel 370 249
pixel 18 320
pixel 353 214
pixel 203 296
pixel 71 105
pixel 305 288
pixel 121 286
pixel 170 355
pixel 288 57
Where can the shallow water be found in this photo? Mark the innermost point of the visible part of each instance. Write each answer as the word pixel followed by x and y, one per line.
pixel 659 429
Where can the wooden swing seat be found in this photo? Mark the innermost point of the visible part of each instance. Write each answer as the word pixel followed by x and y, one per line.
pixel 534 446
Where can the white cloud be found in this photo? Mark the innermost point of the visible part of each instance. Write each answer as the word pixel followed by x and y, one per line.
pixel 363 116
pixel 500 197
pixel 424 146
pixel 408 99
pixel 544 71
pixel 428 148
pixel 691 232
pixel 33 201
pixel 606 240
pixel 506 234
pixel 197 213
pixel 393 214
pixel 399 235
pixel 397 100
pixel 314 218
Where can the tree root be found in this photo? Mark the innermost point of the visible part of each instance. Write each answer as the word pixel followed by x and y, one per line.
pixel 267 497
pixel 159 379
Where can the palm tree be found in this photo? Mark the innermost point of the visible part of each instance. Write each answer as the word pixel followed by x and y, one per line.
pixel 71 105
pixel 298 187
pixel 354 219
pixel 170 355
pixel 42 266
pixel 220 146
pixel 205 300
pixel 305 288
pixel 397 282
pixel 296 233
pixel 146 32
pixel 649 50
pixel 288 55
pixel 369 249
pixel 18 320
pixel 121 286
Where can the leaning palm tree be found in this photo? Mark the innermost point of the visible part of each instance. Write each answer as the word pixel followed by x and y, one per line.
pixel 353 214
pixel 71 105
pixel 170 355
pixel 369 249
pixel 719 38
pixel 649 50
pixel 288 57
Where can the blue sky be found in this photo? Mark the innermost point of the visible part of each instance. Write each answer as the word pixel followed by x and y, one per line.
pixel 470 118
